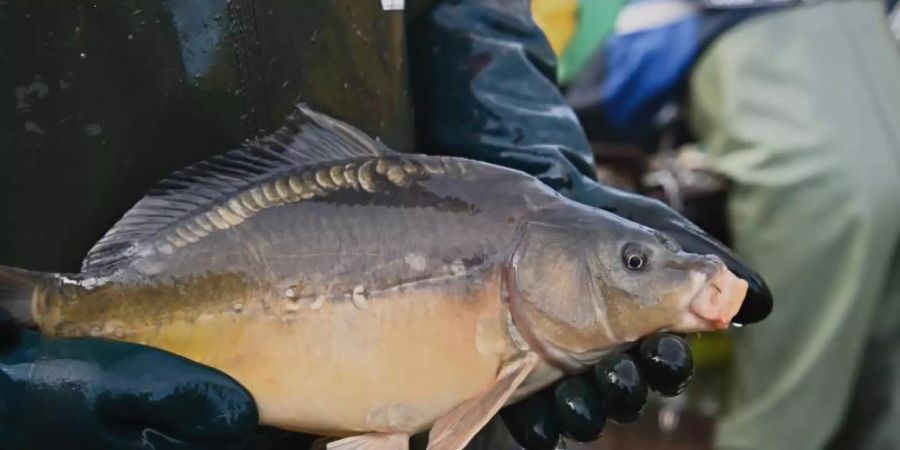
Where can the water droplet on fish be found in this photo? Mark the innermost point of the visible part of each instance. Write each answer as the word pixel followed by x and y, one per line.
pixel 457 267
pixel 237 307
pixel 359 298
pixel 290 293
pixel 165 248
pixel 83 55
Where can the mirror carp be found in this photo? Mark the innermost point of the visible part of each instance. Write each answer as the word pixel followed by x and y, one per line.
pixel 368 295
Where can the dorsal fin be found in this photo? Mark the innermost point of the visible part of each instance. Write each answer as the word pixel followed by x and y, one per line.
pixel 307 138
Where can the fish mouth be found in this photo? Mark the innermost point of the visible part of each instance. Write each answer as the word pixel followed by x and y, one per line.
pixel 715 303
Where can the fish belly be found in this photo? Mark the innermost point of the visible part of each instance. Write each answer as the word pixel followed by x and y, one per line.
pixel 395 364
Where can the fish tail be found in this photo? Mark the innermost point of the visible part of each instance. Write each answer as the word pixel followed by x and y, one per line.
pixel 18 290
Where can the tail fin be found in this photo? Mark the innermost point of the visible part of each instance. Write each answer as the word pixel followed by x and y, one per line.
pixel 17 290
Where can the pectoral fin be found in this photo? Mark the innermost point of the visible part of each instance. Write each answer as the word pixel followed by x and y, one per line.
pixel 455 429
pixel 375 441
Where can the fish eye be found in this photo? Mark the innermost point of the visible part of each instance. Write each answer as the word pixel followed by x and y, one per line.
pixel 634 257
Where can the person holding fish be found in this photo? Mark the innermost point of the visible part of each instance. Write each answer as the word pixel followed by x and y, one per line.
pixel 318 279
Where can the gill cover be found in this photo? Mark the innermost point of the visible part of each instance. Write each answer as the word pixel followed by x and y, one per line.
pixel 555 299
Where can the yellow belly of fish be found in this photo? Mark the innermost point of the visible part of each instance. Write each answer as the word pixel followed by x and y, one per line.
pixel 395 366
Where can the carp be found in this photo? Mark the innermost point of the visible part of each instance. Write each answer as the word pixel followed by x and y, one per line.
pixel 368 295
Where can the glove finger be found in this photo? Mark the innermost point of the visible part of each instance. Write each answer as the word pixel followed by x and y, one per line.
pixel 579 409
pixel 666 362
pixel 622 387
pixel 531 422
pixel 185 400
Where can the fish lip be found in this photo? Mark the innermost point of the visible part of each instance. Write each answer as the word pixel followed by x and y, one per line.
pixel 757 303
pixel 711 311
pixel 688 321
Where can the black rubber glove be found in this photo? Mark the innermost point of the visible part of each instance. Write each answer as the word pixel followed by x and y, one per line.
pixel 578 407
pixel 95 394
pixel 483 75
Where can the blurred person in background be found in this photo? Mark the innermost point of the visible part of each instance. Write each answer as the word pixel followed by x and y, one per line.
pixel 798 106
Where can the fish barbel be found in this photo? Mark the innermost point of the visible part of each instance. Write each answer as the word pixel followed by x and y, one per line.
pixel 369 295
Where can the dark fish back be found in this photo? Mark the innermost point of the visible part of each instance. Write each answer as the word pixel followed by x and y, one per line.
pixel 442 225
pixel 321 209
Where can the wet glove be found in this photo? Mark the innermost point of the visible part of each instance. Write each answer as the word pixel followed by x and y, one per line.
pixel 94 394
pixel 578 407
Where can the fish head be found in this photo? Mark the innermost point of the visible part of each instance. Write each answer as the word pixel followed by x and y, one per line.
pixel 582 282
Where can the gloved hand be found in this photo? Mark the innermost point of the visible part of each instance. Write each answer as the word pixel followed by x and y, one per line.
pixel 94 394
pixel 616 388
